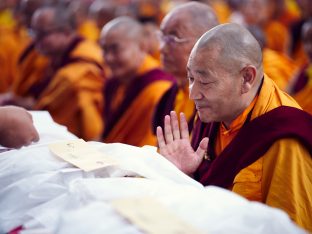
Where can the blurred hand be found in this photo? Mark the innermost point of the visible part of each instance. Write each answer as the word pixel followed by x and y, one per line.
pixel 16 127
pixel 175 144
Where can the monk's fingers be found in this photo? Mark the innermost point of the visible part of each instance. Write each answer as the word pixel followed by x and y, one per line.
pixel 160 137
pixel 168 130
pixel 184 127
pixel 202 148
pixel 175 125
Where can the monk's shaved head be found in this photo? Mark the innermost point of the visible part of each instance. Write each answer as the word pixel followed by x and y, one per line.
pixel 234 44
pixel 198 16
pixel 187 22
pixel 54 16
pixel 225 73
pixel 129 27
pixel 123 44
pixel 102 11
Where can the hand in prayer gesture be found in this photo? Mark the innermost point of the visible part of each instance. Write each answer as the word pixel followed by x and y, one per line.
pixel 175 144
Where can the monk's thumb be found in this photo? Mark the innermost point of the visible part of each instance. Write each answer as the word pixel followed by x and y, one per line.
pixel 202 148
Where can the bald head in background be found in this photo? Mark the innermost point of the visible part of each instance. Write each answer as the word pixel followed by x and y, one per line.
pixel 28 7
pixel 180 30
pixel 227 60
pixel 124 49
pixel 102 11
pixel 53 30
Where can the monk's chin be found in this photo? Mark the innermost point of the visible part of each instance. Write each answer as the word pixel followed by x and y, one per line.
pixel 205 117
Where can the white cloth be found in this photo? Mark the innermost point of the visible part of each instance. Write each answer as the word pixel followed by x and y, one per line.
pixel 47 195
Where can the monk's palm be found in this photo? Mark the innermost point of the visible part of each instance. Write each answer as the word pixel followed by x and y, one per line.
pixel 174 144
pixel 181 153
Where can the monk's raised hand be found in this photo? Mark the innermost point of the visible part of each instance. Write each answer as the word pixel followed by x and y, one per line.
pixel 174 144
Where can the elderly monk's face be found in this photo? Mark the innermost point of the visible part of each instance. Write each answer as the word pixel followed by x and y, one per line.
pixel 176 42
pixel 214 90
pixel 121 54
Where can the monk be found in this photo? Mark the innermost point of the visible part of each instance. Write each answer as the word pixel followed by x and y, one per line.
pixel 16 127
pixel 279 67
pixel 13 41
pixel 72 89
pixel 136 85
pixel 150 34
pixel 31 65
pixel 177 37
pixel 252 138
pixel 301 86
pixel 261 13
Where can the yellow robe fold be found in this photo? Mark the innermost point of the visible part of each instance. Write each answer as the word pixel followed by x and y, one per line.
pixel 30 71
pixel 12 43
pixel 74 95
pixel 282 178
pixel 89 30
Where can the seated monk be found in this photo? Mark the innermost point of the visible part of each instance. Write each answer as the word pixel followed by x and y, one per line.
pixel 278 66
pixel 301 86
pixel 178 35
pixel 30 66
pixel 13 41
pixel 136 85
pixel 72 89
pixel 252 138
pixel 259 12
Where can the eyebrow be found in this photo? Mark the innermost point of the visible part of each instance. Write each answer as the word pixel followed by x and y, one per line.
pixel 201 72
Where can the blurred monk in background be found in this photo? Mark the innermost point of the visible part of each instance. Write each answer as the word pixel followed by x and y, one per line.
pixel 136 85
pixel 178 33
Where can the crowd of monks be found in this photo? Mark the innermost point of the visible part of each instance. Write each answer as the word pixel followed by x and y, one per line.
pixel 114 71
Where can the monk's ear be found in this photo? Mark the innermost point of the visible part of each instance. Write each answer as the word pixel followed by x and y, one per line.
pixel 248 78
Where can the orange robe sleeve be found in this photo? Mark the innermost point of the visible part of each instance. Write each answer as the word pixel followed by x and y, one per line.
pixel 74 99
pixel 286 181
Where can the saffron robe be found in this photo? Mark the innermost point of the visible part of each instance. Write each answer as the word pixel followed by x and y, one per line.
pixel 279 67
pixel 12 43
pixel 73 95
pixel 128 110
pixel 280 178
pixel 89 30
pixel 31 68
pixel 277 36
